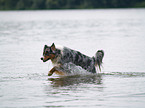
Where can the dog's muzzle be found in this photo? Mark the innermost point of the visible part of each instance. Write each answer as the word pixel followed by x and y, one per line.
pixel 43 59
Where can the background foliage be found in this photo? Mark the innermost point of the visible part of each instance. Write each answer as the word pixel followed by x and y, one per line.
pixel 68 4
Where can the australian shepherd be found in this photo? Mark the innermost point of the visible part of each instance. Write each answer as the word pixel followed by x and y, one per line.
pixel 60 56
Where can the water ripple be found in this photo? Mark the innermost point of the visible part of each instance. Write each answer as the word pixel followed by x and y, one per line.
pixel 125 74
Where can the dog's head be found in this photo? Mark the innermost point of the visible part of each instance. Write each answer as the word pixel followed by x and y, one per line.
pixel 48 52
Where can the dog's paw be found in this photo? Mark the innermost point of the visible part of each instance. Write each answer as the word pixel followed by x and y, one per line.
pixel 49 74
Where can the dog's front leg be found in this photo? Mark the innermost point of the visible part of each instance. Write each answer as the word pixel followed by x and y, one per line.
pixel 51 71
pixel 57 70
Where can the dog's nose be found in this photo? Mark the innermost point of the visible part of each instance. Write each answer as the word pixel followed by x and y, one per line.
pixel 41 58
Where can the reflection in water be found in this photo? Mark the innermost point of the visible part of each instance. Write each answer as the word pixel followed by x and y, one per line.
pixel 73 89
pixel 90 78
pixel 75 80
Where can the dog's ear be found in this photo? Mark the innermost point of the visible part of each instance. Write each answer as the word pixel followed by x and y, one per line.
pixel 53 47
pixel 45 46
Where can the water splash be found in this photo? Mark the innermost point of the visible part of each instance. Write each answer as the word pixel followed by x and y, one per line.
pixel 72 69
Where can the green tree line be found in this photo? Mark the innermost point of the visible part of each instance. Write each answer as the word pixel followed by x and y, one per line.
pixel 68 4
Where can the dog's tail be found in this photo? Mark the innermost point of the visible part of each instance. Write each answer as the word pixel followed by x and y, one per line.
pixel 98 58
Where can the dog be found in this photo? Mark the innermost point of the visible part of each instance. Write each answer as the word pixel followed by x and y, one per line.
pixel 60 56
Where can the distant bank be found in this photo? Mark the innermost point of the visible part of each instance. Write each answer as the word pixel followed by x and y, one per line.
pixel 69 4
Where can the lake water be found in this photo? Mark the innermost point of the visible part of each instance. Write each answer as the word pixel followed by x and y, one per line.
pixel 23 76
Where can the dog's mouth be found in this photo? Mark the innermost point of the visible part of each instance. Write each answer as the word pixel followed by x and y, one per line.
pixel 44 60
